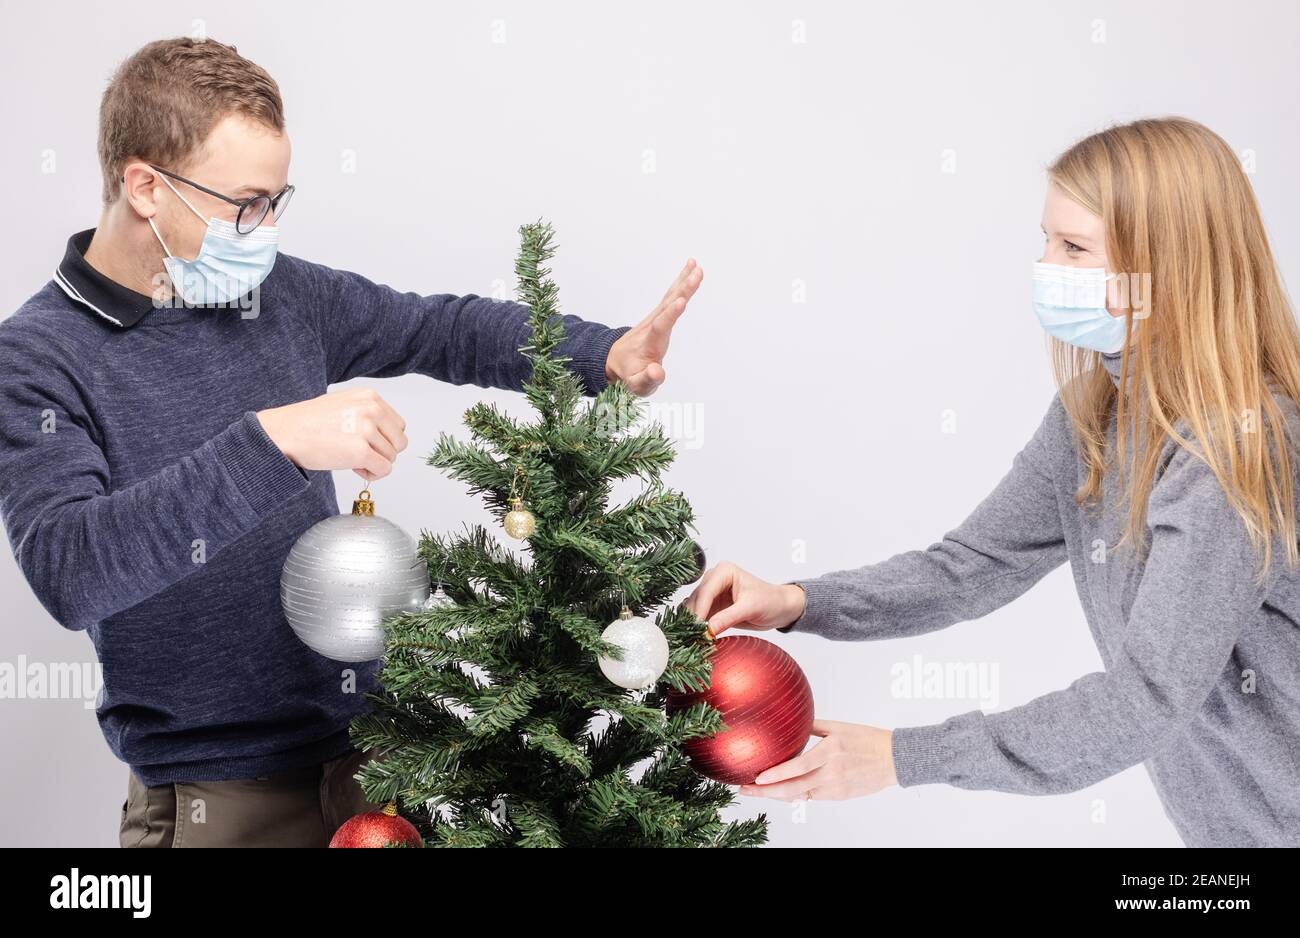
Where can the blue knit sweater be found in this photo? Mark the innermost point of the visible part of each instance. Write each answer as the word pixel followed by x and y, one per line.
pixel 122 447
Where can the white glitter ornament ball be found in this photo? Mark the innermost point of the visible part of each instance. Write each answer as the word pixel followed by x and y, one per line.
pixel 645 652
pixel 345 576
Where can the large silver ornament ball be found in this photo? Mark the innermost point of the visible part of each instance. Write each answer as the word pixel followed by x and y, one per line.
pixel 645 653
pixel 344 577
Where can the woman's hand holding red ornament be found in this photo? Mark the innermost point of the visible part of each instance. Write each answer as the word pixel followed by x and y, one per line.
pixel 850 760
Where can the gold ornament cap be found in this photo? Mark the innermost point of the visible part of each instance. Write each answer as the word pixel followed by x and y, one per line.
pixel 362 505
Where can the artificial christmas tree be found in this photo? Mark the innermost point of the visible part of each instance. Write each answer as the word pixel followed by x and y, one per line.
pixel 496 725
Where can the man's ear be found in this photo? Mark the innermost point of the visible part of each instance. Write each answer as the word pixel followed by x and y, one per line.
pixel 140 188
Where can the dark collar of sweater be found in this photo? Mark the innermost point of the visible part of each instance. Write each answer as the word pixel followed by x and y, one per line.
pixel 104 296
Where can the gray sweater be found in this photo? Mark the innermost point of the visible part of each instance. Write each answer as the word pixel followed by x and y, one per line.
pixel 1202 666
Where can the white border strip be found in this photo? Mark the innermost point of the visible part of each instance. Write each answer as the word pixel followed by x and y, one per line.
pixel 69 289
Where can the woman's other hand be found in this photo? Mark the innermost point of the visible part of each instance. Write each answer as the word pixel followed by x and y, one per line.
pixel 850 761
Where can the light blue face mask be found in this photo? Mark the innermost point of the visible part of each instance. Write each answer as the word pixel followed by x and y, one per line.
pixel 1071 305
pixel 229 264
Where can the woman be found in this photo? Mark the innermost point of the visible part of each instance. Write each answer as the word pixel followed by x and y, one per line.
pixel 1163 471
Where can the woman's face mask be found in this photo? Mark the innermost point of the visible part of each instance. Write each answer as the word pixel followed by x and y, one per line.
pixel 1071 305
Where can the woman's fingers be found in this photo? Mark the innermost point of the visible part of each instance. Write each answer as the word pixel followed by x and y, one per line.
pixel 795 789
pixel 801 764
pixel 852 760
pixel 737 615
pixel 711 585
pixel 728 597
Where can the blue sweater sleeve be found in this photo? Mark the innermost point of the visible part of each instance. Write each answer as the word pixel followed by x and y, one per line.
pixel 369 329
pixel 89 553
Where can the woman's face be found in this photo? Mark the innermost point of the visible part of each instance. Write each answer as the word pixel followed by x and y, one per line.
pixel 1075 236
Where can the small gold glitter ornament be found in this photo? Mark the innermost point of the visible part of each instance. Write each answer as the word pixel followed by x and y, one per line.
pixel 519 521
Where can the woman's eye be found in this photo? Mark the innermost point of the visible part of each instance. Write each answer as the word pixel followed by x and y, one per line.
pixel 1071 247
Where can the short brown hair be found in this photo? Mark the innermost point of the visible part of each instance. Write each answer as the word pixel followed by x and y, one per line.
pixel 163 101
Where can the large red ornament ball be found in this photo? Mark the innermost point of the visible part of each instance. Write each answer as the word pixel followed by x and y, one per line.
pixel 766 704
pixel 377 829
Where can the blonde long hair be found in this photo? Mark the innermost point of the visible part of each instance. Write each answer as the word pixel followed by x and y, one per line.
pixel 1217 341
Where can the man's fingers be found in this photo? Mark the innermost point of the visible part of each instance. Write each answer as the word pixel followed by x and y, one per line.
pixel 661 327
pixel 686 285
pixel 375 464
pixel 381 444
pixel 388 411
pixel 391 428
pixel 675 287
pixel 683 288
pixel 693 281
pixel 389 425
pixel 647 380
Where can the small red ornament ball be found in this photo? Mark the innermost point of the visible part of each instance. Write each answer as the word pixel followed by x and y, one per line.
pixel 377 829
pixel 766 704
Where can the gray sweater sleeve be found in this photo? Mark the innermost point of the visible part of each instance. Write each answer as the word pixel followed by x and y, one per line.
pixel 1198 589
pixel 1012 539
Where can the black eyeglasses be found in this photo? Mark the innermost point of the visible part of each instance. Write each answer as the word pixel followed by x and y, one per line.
pixel 252 210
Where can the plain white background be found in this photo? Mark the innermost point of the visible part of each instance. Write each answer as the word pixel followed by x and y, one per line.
pixel 862 299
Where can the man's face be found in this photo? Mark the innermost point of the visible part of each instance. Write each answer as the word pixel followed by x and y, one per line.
pixel 240 158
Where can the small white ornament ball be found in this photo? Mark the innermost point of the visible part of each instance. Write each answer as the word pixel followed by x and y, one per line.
pixel 645 652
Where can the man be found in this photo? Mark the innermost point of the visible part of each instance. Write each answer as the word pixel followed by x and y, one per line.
pixel 166 435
